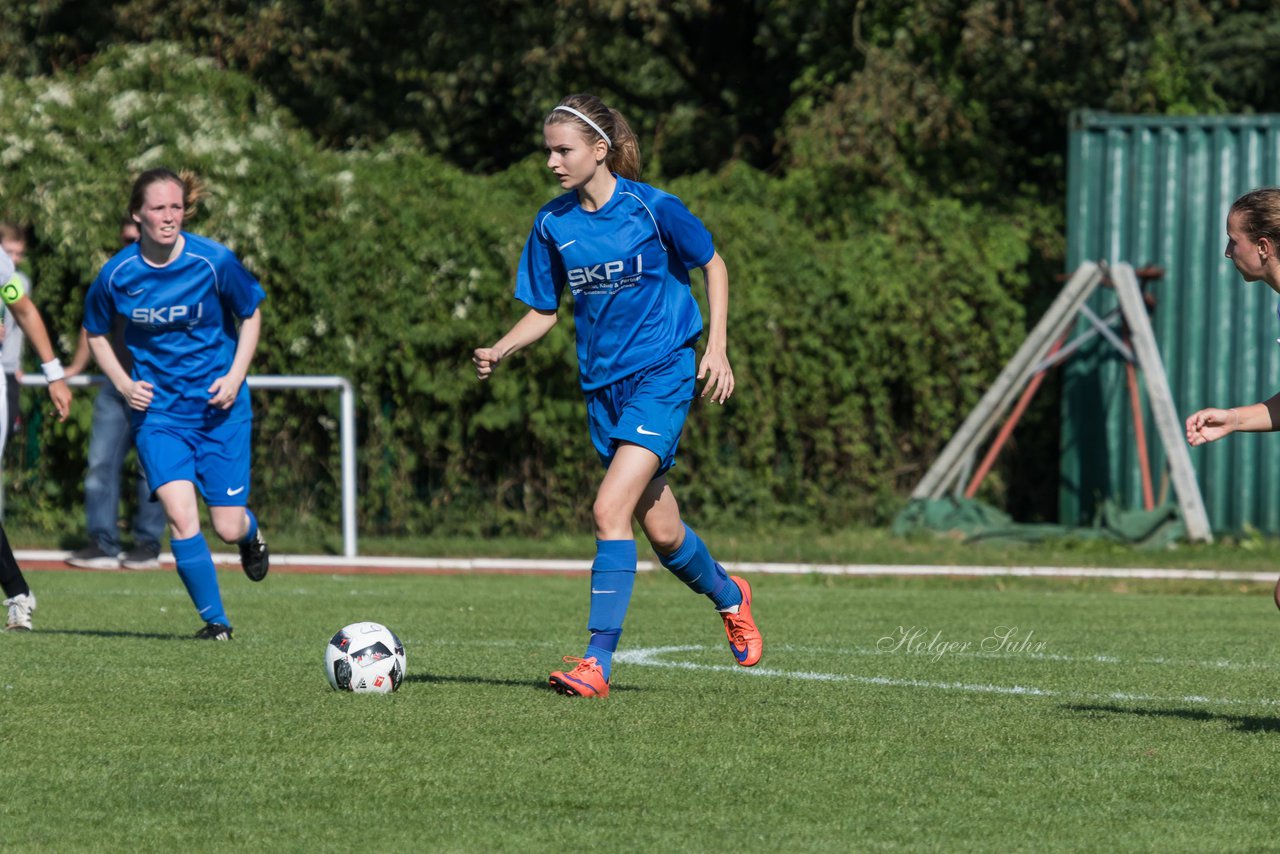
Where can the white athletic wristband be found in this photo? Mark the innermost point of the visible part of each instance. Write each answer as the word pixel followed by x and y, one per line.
pixel 52 370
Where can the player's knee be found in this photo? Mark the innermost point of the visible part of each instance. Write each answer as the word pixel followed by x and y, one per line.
pixel 665 537
pixel 185 528
pixel 229 530
pixel 611 520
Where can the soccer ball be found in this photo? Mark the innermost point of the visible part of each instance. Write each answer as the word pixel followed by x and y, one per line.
pixel 366 658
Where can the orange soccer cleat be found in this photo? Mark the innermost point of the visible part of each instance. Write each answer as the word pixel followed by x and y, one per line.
pixel 585 680
pixel 745 641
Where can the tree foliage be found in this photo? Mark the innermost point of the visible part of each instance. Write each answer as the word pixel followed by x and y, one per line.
pixel 707 81
pixel 883 178
pixel 388 266
pixel 972 98
pixel 971 94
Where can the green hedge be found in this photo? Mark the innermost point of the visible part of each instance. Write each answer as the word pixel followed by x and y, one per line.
pixel 860 334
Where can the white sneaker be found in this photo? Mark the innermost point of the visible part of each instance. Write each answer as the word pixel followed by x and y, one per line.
pixel 20 608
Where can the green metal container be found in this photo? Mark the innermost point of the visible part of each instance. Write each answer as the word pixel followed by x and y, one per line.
pixel 1154 190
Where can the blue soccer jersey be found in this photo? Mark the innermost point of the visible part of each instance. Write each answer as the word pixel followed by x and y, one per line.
pixel 181 325
pixel 627 266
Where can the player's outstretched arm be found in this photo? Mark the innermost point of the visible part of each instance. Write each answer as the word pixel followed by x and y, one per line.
pixel 1211 424
pixel 528 329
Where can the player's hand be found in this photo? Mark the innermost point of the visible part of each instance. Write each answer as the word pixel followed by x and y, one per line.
pixel 224 391
pixel 485 359
pixel 60 393
pixel 1210 425
pixel 715 368
pixel 138 395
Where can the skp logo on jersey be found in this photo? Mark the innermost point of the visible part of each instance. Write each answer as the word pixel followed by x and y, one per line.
pixel 169 315
pixel 607 277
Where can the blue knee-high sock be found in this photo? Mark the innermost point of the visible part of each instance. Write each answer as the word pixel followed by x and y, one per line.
pixel 692 563
pixel 195 568
pixel 253 526
pixel 613 575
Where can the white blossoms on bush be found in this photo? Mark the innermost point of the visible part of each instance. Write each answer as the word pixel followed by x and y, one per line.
pixel 56 93
pixel 126 106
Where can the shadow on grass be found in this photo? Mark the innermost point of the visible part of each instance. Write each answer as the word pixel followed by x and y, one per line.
pixel 111 633
pixel 1243 723
pixel 436 679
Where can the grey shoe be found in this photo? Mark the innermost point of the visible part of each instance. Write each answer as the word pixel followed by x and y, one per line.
pixel 92 557
pixel 20 608
pixel 141 557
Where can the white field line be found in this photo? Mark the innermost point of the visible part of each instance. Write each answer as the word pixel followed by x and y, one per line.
pixel 655 657
pixel 485 564
pixel 1055 658
pixel 1184 663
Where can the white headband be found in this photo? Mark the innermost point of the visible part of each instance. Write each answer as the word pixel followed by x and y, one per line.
pixel 595 127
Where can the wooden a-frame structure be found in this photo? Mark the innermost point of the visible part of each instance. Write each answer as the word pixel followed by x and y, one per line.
pixel 1044 348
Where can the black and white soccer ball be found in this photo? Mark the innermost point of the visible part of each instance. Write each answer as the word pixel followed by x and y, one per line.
pixel 365 658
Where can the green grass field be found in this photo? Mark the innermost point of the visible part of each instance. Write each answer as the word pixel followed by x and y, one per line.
pixel 1114 716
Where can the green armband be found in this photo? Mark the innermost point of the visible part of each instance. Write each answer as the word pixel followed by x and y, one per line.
pixel 13 291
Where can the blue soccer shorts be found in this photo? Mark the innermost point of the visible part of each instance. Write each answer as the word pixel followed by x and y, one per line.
pixel 647 408
pixel 215 459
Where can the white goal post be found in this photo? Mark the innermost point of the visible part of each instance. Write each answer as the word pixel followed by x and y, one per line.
pixel 346 431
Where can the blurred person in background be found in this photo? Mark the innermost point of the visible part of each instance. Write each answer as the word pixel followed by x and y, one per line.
pixel 19 600
pixel 13 240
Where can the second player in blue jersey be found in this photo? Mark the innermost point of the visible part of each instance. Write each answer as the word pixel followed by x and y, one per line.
pixel 193 321
pixel 624 251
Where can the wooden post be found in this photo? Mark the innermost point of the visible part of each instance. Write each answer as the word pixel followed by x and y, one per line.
pixel 1170 428
pixel 1010 382
pixel 1007 430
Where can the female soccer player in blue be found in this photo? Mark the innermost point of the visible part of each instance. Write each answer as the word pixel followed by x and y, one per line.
pixel 183 296
pixel 624 250
pixel 19 599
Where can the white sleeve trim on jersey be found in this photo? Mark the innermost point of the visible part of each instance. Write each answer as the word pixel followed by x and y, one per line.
pixel 651 216
pixel 542 222
pixel 217 285
pixel 111 280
